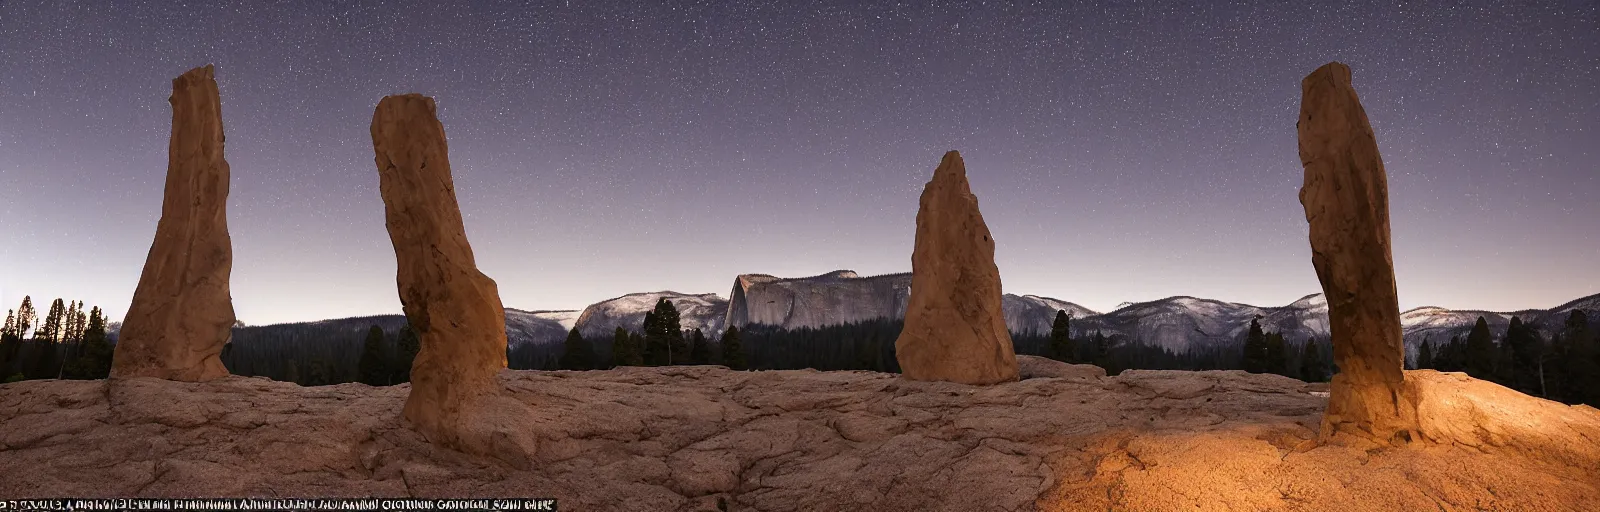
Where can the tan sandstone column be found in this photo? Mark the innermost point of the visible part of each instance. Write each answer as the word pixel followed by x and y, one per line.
pixel 453 307
pixel 955 329
pixel 1346 199
pixel 182 312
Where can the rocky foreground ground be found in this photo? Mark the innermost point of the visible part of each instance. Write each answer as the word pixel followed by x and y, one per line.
pixel 706 438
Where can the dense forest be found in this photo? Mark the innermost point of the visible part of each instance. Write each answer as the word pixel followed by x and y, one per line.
pixel 69 343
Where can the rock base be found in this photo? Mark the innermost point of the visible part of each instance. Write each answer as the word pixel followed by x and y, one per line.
pixel 691 438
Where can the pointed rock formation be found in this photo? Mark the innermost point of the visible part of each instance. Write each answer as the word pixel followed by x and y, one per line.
pixel 955 328
pixel 182 312
pixel 1346 199
pixel 453 307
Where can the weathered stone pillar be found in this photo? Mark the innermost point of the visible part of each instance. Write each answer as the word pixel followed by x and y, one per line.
pixel 182 312
pixel 1346 199
pixel 955 329
pixel 453 307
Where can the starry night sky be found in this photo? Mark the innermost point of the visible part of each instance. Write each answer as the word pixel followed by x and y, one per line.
pixel 1121 152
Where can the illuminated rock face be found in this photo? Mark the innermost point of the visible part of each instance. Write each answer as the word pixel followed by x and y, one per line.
pixel 1346 199
pixel 453 307
pixel 182 312
pixel 955 327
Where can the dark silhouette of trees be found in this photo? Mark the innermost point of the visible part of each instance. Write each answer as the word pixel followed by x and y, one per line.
pixel 1525 364
pixel 1255 348
pixel 56 342
pixel 699 348
pixel 1277 354
pixel 636 340
pixel 51 329
pixel 1577 361
pixel 1480 353
pixel 374 368
pixel 577 353
pixel 663 334
pixel 1313 365
pixel 1451 356
pixel 11 365
pixel 1100 352
pixel 732 350
pixel 624 352
pixel 25 317
pixel 10 340
pixel 1061 346
pixel 94 359
pixel 407 346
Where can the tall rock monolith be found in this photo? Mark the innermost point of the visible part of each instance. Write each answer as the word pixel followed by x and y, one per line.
pixel 1346 199
pixel 182 312
pixel 955 329
pixel 454 309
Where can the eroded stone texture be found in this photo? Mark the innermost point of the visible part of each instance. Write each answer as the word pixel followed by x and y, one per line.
pixel 687 438
pixel 182 312
pixel 453 307
pixel 1346 199
pixel 955 327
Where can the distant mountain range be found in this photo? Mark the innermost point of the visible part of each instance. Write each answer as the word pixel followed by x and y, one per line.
pixel 1177 323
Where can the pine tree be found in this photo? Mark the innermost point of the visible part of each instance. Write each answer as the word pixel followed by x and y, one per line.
pixel 576 352
pixel 94 362
pixel 51 330
pixel 1100 352
pixel 1480 351
pixel 1277 358
pixel 699 348
pixel 1452 357
pixel 69 323
pixel 1425 356
pixel 25 317
pixel 732 351
pixel 623 352
pixel 654 349
pixel 1579 362
pixel 677 345
pixel 1312 367
pixel 372 368
pixel 1526 356
pixel 636 341
pixel 9 343
pixel 76 320
pixel 1061 346
pixel 1255 358
pixel 407 345
pixel 664 344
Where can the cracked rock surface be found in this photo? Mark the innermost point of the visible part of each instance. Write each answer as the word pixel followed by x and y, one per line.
pixel 695 438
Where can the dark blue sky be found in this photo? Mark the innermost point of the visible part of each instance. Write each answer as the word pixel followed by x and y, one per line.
pixel 1120 152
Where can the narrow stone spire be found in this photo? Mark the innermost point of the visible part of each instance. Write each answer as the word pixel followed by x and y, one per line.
pixel 182 312
pixel 1346 199
pixel 955 328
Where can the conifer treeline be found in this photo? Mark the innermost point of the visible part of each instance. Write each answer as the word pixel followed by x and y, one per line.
pixel 1565 368
pixel 66 343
